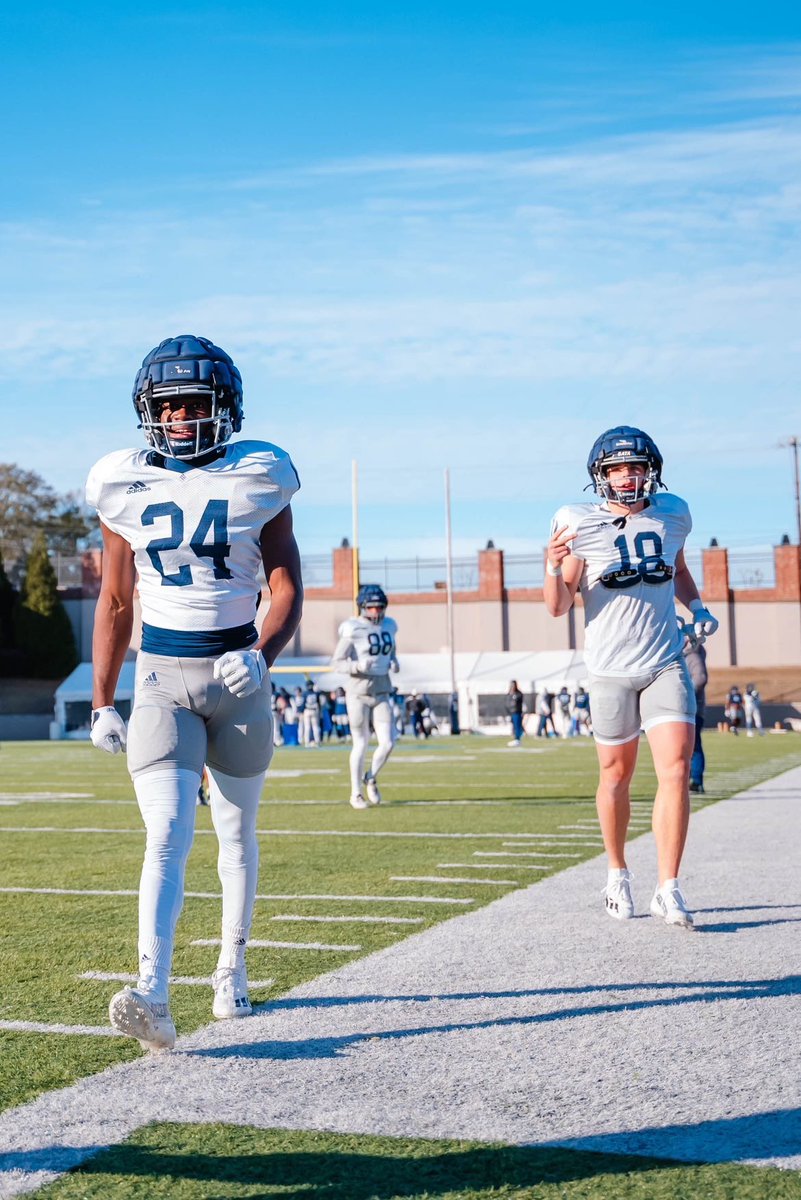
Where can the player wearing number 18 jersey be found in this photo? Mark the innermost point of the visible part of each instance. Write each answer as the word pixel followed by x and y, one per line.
pixel 626 557
pixel 366 653
pixel 196 519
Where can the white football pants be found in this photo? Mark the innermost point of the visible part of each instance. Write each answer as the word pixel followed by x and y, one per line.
pixel 310 726
pixel 167 802
pixel 359 710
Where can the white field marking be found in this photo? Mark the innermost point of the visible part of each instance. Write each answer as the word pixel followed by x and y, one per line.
pixel 520 854
pixel 449 803
pixel 181 980
pixel 378 833
pixel 300 772
pixel 264 944
pixel 517 750
pixel 450 879
pixel 557 842
pixel 399 761
pixel 46 795
pixel 41 1027
pixel 351 920
pixel 9 803
pixel 494 866
pixel 259 896
pixel 532 838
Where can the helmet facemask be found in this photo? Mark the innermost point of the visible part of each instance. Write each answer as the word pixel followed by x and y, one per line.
pixel 209 432
pixel 633 489
pixel 374 613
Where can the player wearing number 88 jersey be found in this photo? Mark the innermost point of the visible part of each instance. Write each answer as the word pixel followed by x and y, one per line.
pixel 626 557
pixel 197 520
pixel 366 653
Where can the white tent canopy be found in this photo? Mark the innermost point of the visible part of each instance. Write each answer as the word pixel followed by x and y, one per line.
pixel 477 674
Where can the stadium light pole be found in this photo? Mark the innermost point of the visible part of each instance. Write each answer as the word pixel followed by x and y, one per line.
pixel 354 491
pixel 792 442
pixel 449 576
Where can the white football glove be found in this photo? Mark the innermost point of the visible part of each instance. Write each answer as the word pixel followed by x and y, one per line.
pixel 241 671
pixel 705 624
pixel 108 730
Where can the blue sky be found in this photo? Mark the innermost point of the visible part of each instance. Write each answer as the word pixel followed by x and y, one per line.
pixel 429 238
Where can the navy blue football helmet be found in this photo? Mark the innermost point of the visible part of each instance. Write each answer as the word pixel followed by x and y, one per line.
pixel 617 447
pixel 189 368
pixel 372 595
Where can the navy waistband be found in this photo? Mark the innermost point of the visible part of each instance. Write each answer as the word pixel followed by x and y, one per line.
pixel 196 643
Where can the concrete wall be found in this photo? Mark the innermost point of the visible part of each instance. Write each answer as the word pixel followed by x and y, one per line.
pixel 757 627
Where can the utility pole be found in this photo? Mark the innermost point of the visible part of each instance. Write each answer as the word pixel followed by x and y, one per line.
pixel 793 443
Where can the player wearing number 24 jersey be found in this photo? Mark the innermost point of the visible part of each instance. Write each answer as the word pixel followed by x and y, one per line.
pixel 625 555
pixel 196 519
pixel 366 653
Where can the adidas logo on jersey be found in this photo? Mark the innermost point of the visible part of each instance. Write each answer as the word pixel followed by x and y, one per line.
pixel 137 487
pixel 152 680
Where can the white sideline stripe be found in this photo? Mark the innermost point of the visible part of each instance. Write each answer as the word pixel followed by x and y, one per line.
pixel 259 896
pixel 493 866
pixel 520 854
pixel 351 920
pixel 263 944
pixel 378 833
pixel 452 879
pixel 182 980
pixel 42 1027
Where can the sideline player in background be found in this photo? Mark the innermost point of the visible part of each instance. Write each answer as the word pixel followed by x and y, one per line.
pixel 626 555
pixel 366 652
pixel 196 518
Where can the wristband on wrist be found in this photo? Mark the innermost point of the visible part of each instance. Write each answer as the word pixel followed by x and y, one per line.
pixel 552 570
pixel 694 605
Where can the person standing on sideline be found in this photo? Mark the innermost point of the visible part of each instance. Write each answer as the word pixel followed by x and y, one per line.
pixel 626 556
pixel 366 653
pixel 695 658
pixel 514 707
pixel 310 717
pixel 752 705
pixel 196 517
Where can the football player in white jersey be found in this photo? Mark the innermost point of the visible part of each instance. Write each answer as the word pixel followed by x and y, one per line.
pixel 195 517
pixel 366 652
pixel 625 554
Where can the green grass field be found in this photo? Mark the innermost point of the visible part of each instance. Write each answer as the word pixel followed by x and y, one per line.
pixel 69 822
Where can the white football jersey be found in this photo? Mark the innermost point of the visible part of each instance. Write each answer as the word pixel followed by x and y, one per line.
pixel 371 647
pixel 627 583
pixel 194 531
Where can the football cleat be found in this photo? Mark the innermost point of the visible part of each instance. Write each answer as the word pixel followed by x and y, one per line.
pixel 357 800
pixel 136 1013
pixel 670 906
pixel 617 896
pixel 371 787
pixel 230 993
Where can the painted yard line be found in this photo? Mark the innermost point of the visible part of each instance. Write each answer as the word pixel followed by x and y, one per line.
pixel 567 838
pixel 75 1030
pixel 182 980
pixel 48 796
pixel 520 854
pixel 264 944
pixel 351 920
pixel 259 896
pixel 549 842
pixel 452 879
pixel 494 866
pixel 378 833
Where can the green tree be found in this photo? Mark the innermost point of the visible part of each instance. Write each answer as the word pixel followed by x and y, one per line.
pixel 27 505
pixel 44 632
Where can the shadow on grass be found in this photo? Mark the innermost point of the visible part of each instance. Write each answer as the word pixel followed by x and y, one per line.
pixel 298 1167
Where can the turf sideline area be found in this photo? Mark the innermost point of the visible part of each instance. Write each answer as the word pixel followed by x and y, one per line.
pixel 535 1020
